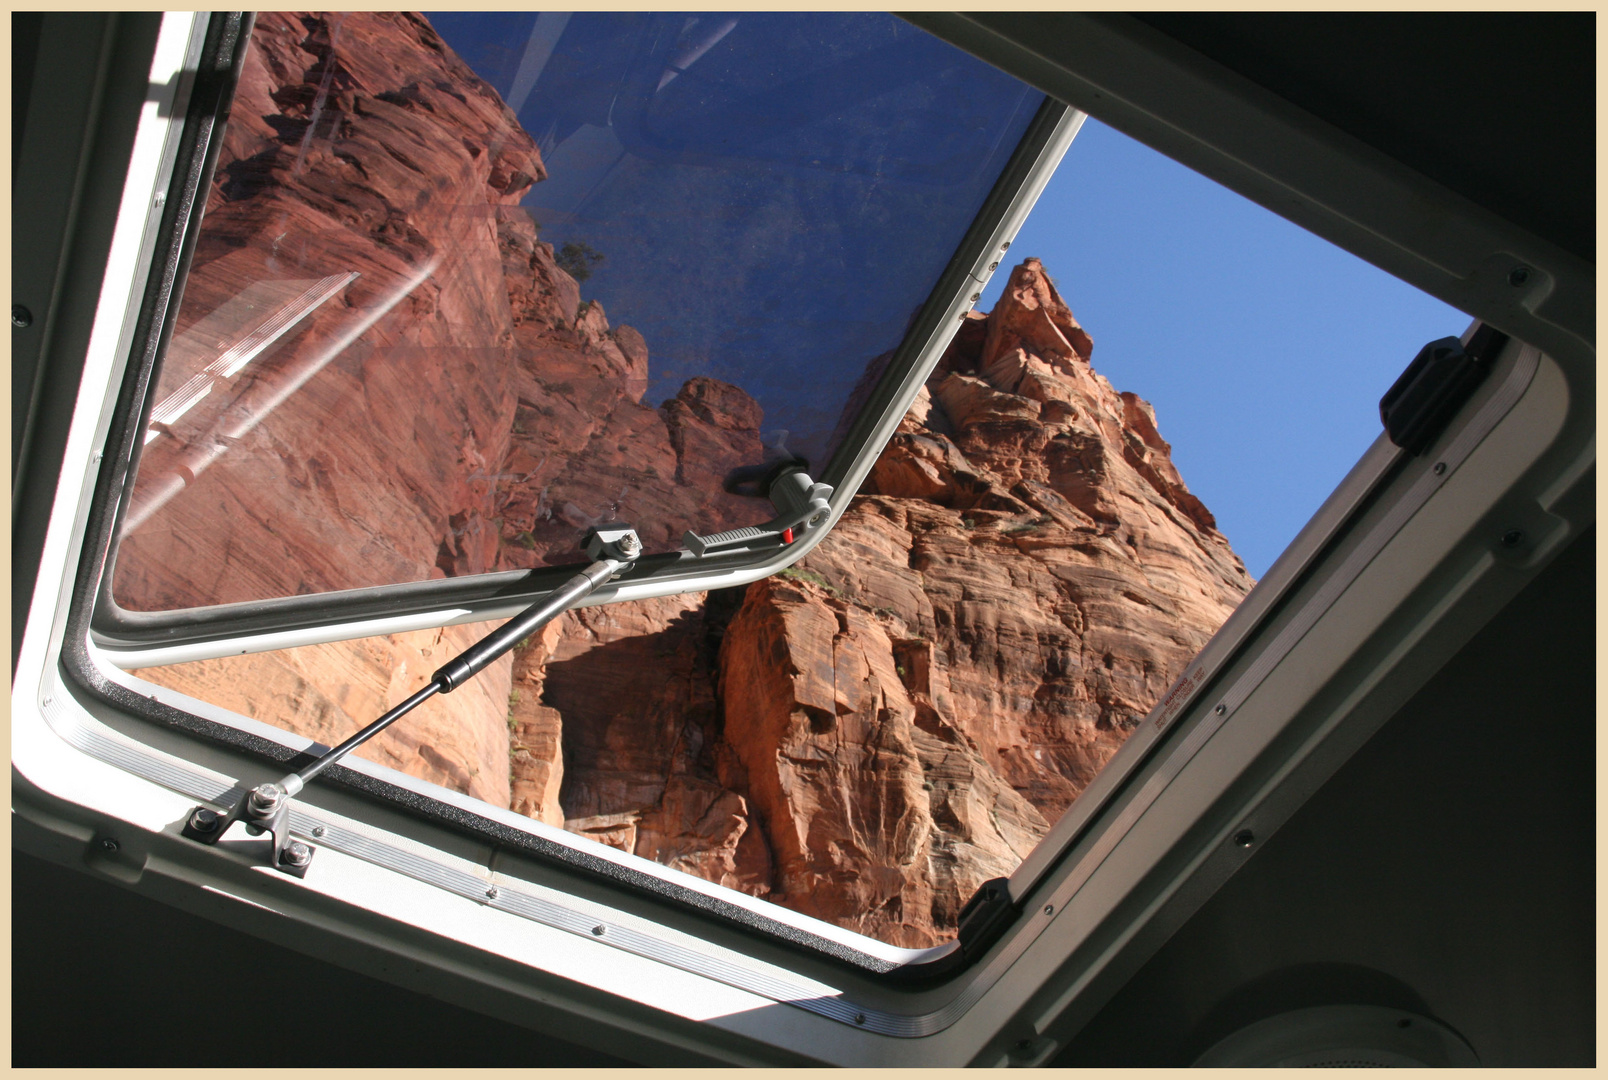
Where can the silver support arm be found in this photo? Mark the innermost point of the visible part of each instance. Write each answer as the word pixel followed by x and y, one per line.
pixel 266 807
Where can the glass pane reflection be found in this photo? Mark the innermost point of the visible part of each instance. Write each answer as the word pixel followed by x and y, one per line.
pixel 468 284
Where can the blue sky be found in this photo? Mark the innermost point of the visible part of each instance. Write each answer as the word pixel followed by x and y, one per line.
pixel 1263 348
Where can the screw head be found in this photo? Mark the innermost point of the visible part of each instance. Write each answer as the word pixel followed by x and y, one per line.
pixel 1518 276
pixel 1512 537
pixel 319 830
pixel 1049 909
pixel 108 845
pixel 1220 710
pixel 976 296
pixel 598 930
pixel 1440 468
pixel 1244 838
pixel 1024 1044
pixel 265 798
pixel 296 853
pixel 491 892
pixel 993 266
pixel 859 1018
pixel 21 317
pixel 204 820
pixel 629 545
pixel 1006 246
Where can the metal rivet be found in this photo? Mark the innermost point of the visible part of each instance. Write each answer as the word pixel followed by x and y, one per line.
pixel 48 699
pixel 319 830
pixel 859 1018
pixel 1006 246
pixel 109 845
pixel 161 197
pixel 1220 710
pixel 976 296
pixel 1049 909
pixel 1440 468
pixel 491 892
pixel 993 266
pixel 1245 838
pixel 1512 537
pixel 598 930
pixel 1518 276
pixel 21 317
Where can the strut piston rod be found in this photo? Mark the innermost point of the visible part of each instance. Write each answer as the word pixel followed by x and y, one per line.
pixel 266 808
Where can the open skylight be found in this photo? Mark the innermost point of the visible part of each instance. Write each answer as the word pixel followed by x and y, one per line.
pixel 430 334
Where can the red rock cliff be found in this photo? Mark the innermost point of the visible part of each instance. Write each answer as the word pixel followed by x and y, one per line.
pixel 866 737
pixel 903 715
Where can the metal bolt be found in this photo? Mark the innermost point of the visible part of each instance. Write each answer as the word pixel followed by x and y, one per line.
pixel 265 799
pixel 1220 710
pixel 319 830
pixel 630 546
pixel 21 317
pixel 1440 468
pixel 296 853
pixel 109 845
pixel 819 517
pixel 491 892
pixel 1512 537
pixel 1518 276
pixel 1049 909
pixel 1245 838
pixel 598 930
pixel 203 820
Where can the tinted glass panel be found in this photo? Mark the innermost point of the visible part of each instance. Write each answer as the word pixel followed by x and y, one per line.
pixel 469 284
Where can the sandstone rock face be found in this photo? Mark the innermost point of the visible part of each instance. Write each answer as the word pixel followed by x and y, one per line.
pixel 866 737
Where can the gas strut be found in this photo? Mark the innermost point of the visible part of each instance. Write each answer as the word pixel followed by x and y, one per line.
pixel 266 807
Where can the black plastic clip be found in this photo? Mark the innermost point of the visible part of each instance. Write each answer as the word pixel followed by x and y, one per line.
pixel 1435 385
pixel 985 917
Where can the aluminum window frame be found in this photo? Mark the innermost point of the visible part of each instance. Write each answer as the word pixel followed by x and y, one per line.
pixel 1446 570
